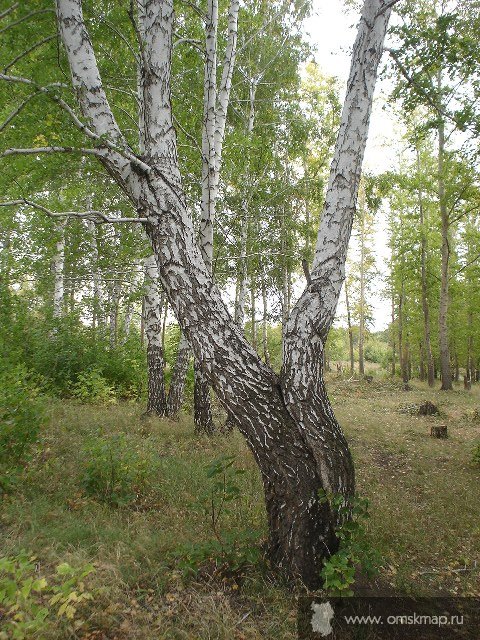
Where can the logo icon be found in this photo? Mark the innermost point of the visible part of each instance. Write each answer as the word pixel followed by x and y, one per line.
pixel 322 617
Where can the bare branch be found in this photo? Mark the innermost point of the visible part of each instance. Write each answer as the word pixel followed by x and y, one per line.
pixel 27 51
pixel 26 17
pixel 34 151
pixel 5 13
pixel 122 150
pixel 196 44
pixel 95 216
pixel 16 111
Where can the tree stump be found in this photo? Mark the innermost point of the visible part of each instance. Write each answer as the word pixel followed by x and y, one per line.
pixel 427 409
pixel 439 432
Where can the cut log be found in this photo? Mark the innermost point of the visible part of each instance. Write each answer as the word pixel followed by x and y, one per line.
pixel 439 432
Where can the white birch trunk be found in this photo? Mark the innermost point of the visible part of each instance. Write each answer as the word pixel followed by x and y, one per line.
pixel 58 269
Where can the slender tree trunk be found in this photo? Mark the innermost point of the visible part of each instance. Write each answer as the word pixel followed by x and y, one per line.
pixel 58 269
pixel 253 313
pixel 425 305
pixel 457 367
pixel 444 294
pixel 421 355
pixel 470 366
pixel 401 341
pixel 98 311
pixel 115 295
pixel 156 398
pixel 350 332
pixel 177 382
pixel 216 100
pixel 392 334
pixel 363 266
pixel 266 354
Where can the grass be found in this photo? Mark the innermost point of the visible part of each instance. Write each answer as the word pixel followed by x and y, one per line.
pixel 424 506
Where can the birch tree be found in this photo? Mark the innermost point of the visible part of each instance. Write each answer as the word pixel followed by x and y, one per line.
pixel 216 98
pixel 286 419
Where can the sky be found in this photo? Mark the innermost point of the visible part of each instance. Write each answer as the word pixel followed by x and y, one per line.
pixel 332 32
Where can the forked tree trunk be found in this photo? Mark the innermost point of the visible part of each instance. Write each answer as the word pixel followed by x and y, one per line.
pixel 287 420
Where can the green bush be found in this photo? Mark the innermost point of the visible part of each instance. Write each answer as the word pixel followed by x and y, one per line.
pixel 59 357
pixel 354 549
pixel 116 471
pixel 91 387
pixel 21 417
pixel 30 607
pixel 476 455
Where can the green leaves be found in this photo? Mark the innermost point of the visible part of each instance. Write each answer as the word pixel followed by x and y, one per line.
pixel 354 550
pixel 31 605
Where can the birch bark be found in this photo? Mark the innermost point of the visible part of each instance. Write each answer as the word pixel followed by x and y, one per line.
pixel 216 100
pixel 153 305
pixel 58 269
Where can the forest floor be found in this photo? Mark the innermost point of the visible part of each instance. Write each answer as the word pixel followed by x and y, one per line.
pixel 157 558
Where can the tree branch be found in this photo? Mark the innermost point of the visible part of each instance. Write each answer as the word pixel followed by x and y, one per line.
pixel 23 18
pixel 17 110
pixel 27 51
pixel 5 13
pixel 95 216
pixel 35 150
pixel 122 150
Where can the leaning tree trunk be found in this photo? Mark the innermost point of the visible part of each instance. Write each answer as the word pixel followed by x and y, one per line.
pixel 287 420
pixel 153 306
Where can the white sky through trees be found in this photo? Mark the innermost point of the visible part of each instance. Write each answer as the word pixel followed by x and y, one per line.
pixel 331 30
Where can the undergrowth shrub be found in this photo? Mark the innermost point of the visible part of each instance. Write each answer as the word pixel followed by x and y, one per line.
pixel 31 605
pixel 21 416
pixel 355 550
pixel 476 455
pixel 116 470
pixel 92 388
pixel 229 554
